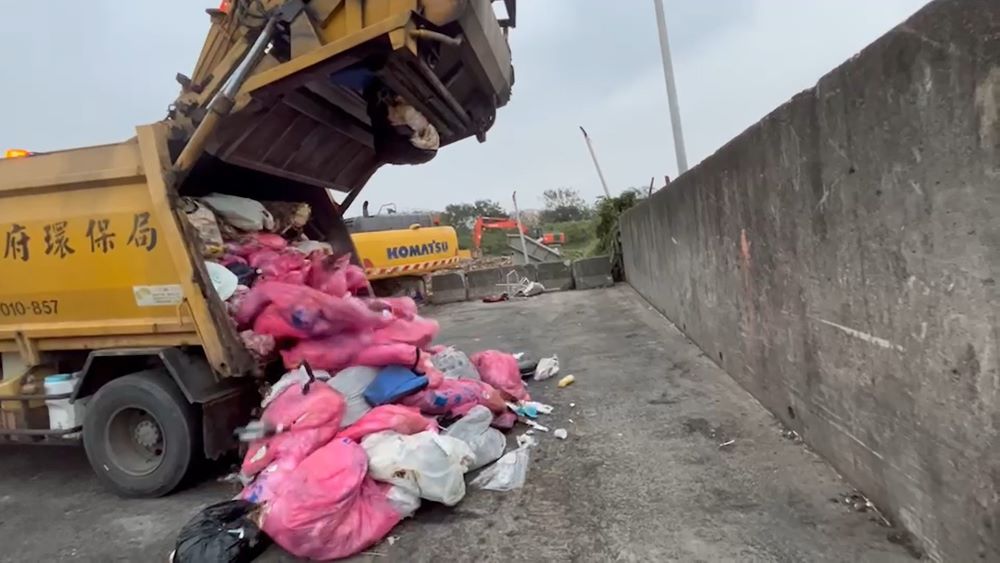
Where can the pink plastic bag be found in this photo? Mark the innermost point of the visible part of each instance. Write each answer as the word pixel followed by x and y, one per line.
pixel 329 508
pixel 296 409
pixel 380 355
pixel 301 306
pixel 500 370
pixel 329 275
pixel 331 354
pixel 418 332
pixel 398 418
pixel 290 448
pixel 401 307
pixel 456 397
pixel 269 240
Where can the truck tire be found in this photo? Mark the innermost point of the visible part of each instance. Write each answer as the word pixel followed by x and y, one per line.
pixel 141 435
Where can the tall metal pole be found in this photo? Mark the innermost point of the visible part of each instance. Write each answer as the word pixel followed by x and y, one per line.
pixel 668 75
pixel 520 229
pixel 593 156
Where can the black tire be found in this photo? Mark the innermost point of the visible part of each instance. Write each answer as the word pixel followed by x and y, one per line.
pixel 141 435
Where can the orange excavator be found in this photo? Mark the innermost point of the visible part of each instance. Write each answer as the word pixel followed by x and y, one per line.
pixel 507 224
pixel 501 223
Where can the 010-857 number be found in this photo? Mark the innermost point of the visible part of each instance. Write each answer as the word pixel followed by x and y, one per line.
pixel 21 308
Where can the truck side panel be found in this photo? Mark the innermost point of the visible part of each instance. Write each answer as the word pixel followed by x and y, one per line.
pixel 86 257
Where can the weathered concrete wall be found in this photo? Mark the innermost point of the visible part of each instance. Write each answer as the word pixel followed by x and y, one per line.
pixel 841 258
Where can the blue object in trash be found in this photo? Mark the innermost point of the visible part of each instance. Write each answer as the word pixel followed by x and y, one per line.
pixel 393 383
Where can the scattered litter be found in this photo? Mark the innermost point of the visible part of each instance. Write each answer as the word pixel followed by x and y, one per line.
pixel 530 409
pixel 534 424
pixel 790 435
pixel 530 290
pixel 727 443
pixel 223 532
pixel 572 405
pixel 391 540
pixel 527 439
pixel 518 355
pixel 547 367
pixel 561 433
pixel 567 381
pixel 570 421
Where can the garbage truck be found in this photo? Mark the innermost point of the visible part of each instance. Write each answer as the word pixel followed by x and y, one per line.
pixel 111 333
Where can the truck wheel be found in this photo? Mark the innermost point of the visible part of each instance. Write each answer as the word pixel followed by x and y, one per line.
pixel 141 434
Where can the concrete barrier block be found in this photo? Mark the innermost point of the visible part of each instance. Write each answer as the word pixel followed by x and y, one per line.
pixel 555 275
pixel 590 273
pixel 448 287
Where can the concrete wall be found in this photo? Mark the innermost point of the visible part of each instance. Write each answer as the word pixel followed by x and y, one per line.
pixel 840 259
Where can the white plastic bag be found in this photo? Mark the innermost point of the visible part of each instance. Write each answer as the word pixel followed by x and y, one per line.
pixel 432 464
pixel 454 364
pixel 243 213
pixel 405 500
pixel 298 377
pixel 351 384
pixel 474 429
pixel 507 474
pixel 547 367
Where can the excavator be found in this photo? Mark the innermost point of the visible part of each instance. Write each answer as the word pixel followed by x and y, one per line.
pixel 481 224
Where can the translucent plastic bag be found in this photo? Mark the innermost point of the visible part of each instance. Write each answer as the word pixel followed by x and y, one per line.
pixel 455 364
pixel 474 429
pixel 508 473
pixel 243 213
pixel 351 384
pixel 435 465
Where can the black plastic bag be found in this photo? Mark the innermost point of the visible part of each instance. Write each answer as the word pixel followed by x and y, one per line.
pixel 221 533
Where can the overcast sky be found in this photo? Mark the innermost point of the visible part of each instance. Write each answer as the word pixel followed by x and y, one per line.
pixel 103 66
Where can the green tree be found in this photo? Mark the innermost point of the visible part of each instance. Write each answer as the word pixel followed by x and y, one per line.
pixel 608 212
pixel 564 204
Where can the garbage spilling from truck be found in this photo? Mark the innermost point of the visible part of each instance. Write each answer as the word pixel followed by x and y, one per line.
pixel 370 418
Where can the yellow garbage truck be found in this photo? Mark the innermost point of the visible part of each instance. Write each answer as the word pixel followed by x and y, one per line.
pixel 111 333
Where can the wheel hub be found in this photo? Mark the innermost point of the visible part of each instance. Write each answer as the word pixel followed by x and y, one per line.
pixel 147 434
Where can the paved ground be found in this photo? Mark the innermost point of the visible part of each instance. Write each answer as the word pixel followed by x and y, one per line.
pixel 641 478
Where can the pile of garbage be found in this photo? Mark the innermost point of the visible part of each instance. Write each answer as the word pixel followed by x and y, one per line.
pixel 369 419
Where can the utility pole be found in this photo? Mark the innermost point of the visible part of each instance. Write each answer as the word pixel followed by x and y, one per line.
pixel 520 229
pixel 593 155
pixel 668 75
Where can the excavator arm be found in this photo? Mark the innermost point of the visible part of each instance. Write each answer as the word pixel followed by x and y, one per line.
pixel 500 223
